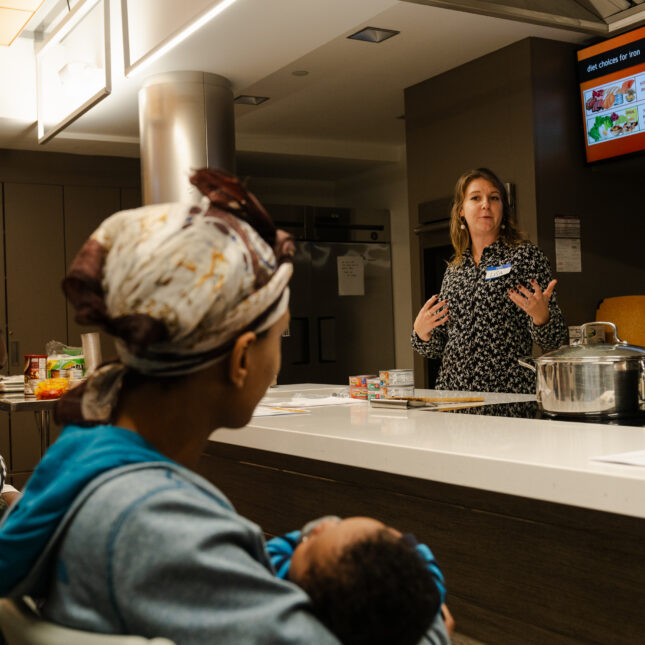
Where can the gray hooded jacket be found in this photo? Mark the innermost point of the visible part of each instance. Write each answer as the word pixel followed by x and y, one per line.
pixel 155 550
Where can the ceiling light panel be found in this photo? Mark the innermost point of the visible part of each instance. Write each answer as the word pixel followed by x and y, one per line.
pixel 373 34
pixel 23 5
pixel 73 67
pixel 146 41
pixel 14 16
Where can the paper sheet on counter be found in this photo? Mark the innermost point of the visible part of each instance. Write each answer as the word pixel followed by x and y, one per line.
pixel 633 458
pixel 306 402
pixel 272 411
pixel 448 406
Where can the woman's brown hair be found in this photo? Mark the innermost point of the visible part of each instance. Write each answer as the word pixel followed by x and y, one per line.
pixel 459 237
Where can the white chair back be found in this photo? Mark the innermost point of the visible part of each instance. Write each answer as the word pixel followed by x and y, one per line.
pixel 21 625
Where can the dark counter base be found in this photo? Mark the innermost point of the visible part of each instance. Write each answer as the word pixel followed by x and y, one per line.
pixel 519 571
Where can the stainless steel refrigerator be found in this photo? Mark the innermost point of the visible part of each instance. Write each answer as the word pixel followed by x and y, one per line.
pixel 342 319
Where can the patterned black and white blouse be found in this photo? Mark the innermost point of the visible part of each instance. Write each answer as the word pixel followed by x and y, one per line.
pixel 486 332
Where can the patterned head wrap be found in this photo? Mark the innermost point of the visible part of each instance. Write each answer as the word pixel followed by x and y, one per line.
pixel 175 285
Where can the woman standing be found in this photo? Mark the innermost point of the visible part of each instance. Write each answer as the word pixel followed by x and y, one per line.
pixel 496 300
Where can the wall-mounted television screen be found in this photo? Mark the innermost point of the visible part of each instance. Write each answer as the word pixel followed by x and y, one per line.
pixel 612 90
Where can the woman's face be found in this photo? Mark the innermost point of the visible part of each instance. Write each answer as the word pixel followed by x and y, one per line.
pixel 482 209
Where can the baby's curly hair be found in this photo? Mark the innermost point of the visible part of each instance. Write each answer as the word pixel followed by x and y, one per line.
pixel 378 591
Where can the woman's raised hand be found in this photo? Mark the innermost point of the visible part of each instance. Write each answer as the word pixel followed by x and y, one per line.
pixel 431 315
pixel 535 303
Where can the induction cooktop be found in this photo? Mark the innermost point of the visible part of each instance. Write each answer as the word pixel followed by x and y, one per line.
pixel 531 410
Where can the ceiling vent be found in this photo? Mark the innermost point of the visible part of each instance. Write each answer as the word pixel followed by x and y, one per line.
pixel 373 34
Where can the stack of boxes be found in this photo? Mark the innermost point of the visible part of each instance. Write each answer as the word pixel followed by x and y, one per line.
pixel 387 384
pixel 396 383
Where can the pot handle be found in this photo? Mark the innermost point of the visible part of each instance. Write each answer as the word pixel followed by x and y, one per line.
pixel 584 326
pixel 524 362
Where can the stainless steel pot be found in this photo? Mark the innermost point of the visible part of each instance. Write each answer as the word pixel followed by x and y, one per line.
pixel 592 379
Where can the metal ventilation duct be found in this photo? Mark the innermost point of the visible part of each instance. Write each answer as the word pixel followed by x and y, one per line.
pixel 186 122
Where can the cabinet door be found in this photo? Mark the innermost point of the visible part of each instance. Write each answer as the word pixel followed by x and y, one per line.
pixel 299 362
pixel 35 267
pixel 354 334
pixel 36 311
pixel 130 198
pixel 5 441
pixel 85 208
pixel 4 341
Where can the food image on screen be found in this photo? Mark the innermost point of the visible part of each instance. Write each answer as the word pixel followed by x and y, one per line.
pixel 612 124
pixel 612 92
pixel 604 98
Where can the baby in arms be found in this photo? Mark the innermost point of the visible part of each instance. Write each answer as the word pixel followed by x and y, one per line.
pixel 368 583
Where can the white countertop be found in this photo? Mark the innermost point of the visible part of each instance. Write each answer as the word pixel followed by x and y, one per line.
pixel 536 458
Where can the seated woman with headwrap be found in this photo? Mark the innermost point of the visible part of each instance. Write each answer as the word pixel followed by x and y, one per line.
pixel 115 532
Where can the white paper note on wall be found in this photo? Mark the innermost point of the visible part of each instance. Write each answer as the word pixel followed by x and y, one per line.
pixel 568 257
pixel 351 275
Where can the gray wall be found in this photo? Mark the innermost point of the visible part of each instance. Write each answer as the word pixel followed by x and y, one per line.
pixel 517 111
pixel 607 196
pixel 50 204
pixel 60 169
pixel 478 114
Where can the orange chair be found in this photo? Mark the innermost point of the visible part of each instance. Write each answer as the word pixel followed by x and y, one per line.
pixel 628 314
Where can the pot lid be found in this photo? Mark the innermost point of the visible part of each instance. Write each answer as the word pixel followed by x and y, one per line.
pixel 589 350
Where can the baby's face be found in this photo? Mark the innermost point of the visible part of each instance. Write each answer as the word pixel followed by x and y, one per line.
pixel 327 541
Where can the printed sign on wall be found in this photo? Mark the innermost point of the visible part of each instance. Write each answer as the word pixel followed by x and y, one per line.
pixel 568 248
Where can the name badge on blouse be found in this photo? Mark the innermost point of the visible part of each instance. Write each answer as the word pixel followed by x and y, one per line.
pixel 497 272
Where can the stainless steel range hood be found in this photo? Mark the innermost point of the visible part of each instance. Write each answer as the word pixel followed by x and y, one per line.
pixel 186 122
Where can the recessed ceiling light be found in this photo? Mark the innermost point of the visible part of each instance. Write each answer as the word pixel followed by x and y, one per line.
pixel 245 99
pixel 300 72
pixel 374 34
